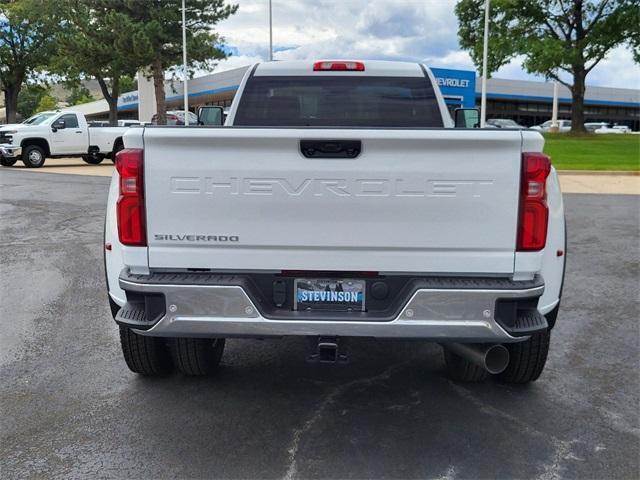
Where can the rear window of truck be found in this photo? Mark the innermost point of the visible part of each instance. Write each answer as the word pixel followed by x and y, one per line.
pixel 338 101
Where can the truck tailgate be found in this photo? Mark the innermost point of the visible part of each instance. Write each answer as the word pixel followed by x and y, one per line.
pixel 433 200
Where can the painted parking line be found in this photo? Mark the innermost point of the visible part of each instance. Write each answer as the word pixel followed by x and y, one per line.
pixel 609 184
pixel 71 166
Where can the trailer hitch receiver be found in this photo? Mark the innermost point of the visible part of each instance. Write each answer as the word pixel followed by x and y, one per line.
pixel 327 350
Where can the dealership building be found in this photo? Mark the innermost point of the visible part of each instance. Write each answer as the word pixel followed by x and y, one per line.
pixel 527 102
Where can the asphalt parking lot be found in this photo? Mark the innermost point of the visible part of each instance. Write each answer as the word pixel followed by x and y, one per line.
pixel 71 409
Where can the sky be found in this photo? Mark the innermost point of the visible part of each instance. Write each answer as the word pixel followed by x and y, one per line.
pixel 410 30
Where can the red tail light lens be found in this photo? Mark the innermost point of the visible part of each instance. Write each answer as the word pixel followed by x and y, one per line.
pixel 343 66
pixel 534 213
pixel 130 206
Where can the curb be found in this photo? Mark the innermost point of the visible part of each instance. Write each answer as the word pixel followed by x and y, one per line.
pixel 600 172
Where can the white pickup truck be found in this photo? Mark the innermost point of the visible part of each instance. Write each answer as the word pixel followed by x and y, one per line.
pixel 339 200
pixel 57 134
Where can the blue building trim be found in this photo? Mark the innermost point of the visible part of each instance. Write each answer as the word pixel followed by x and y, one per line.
pixel 537 98
pixel 129 106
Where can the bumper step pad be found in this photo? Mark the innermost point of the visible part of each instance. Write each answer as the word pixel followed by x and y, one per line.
pixel 133 314
pixel 528 322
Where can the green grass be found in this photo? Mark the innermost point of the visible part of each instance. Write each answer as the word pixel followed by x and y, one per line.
pixel 593 152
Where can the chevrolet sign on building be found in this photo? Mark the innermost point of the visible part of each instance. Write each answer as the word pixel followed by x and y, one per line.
pixel 457 86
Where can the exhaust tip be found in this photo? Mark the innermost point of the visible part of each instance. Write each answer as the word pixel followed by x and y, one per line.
pixel 496 359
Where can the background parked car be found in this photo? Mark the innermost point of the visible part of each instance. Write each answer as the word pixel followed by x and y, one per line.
pixel 616 129
pixel 563 126
pixel 129 123
pixel 593 126
pixel 504 123
pixel 176 117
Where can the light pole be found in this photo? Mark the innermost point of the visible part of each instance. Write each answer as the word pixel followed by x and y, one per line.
pixel 554 108
pixel 270 34
pixel 184 64
pixel 485 52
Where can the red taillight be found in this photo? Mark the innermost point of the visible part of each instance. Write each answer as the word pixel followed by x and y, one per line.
pixel 534 214
pixel 130 206
pixel 343 66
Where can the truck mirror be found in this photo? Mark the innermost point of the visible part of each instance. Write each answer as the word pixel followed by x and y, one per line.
pixel 467 117
pixel 59 124
pixel 210 115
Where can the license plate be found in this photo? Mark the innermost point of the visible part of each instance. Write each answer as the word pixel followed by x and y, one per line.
pixel 329 294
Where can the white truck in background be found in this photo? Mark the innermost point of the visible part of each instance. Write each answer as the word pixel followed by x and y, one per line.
pixel 339 200
pixel 58 134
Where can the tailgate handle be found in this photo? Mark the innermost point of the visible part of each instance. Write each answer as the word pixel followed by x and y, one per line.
pixel 330 148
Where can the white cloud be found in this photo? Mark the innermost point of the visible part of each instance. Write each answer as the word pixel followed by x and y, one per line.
pixel 411 30
pixel 235 61
pixel 617 70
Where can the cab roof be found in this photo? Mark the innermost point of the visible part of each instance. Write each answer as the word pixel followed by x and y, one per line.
pixel 374 68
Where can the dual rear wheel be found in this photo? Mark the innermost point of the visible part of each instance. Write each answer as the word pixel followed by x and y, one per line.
pixel 526 362
pixel 157 356
pixel 93 158
pixel 201 356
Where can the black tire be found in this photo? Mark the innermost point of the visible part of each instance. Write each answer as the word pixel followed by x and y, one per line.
pixel 93 159
pixel 197 356
pixel 461 369
pixel 552 316
pixel 144 355
pixel 33 156
pixel 526 359
pixel 116 148
pixel 113 306
pixel 8 162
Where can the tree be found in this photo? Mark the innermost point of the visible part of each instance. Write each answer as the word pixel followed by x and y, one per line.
pixel 26 43
pixel 558 38
pixel 96 41
pixel 29 98
pixel 47 102
pixel 79 95
pixel 634 35
pixel 128 84
pixel 156 27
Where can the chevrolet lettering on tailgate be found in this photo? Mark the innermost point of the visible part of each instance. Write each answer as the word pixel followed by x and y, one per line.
pixel 341 187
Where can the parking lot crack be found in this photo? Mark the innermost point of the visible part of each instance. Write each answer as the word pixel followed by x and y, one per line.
pixel 562 449
pixel 450 474
pixel 329 399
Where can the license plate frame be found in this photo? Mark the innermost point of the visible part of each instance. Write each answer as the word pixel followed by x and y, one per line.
pixel 327 301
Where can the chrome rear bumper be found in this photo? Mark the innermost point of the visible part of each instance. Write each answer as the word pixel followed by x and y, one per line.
pixel 208 310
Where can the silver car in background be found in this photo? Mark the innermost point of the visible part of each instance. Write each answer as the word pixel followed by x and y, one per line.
pixel 505 123
pixel 563 126
pixel 176 117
